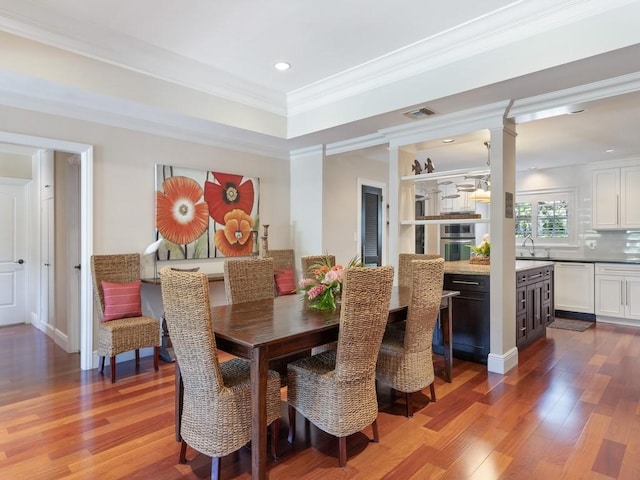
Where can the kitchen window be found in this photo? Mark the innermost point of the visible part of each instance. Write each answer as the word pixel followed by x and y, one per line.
pixel 548 216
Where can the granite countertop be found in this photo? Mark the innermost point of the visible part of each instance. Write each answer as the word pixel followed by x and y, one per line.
pixel 465 268
pixel 582 260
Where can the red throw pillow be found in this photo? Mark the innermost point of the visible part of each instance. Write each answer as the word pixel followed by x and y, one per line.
pixel 285 284
pixel 121 300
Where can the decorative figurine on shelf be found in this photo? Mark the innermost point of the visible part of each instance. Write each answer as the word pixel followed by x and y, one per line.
pixel 417 168
pixel 429 166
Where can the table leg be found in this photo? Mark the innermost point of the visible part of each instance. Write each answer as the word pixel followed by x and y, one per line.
pixel 446 317
pixel 259 367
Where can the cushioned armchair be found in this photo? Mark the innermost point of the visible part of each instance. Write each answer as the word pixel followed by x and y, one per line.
pixel 336 389
pixel 122 327
pixel 216 414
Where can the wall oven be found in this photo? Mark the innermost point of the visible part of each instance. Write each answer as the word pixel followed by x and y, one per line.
pixel 455 240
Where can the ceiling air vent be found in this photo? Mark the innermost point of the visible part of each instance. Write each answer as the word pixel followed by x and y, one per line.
pixel 420 113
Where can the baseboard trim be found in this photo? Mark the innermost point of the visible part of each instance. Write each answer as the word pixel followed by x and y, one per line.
pixel 575 315
pixel 502 363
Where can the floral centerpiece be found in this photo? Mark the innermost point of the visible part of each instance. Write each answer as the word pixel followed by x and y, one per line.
pixel 324 288
pixel 482 251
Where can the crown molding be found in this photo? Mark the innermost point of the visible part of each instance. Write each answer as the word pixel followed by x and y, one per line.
pixel 562 101
pixel 515 22
pixel 132 54
pixel 352 144
pixel 20 91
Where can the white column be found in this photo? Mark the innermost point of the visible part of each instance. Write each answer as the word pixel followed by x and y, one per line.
pixel 306 177
pixel 504 354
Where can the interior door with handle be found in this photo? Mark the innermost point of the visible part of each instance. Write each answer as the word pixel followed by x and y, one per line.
pixel 13 237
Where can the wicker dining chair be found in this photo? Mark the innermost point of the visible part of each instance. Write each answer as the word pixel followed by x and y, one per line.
pixel 405 278
pixel 248 279
pixel 284 270
pixel 123 334
pixel 216 415
pixel 336 389
pixel 308 261
pixel 405 360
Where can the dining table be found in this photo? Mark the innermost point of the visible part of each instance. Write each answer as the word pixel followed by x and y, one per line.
pixel 271 329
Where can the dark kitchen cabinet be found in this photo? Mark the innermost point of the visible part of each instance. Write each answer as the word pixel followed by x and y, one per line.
pixel 534 304
pixel 471 316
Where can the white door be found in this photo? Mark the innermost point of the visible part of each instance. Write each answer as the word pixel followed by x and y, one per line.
pixel 13 250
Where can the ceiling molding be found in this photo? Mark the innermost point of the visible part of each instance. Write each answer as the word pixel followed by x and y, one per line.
pixel 132 54
pixel 556 103
pixel 491 31
pixel 352 144
pixel 29 93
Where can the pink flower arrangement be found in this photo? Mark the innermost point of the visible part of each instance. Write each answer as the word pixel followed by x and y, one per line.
pixel 325 284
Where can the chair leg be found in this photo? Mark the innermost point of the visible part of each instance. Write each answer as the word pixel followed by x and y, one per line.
pixel 407 397
pixel 137 357
pixel 183 452
pixel 112 366
pixel 342 451
pixel 433 391
pixel 102 364
pixel 216 464
pixel 292 424
pixel 156 355
pixel 374 427
pixel 275 430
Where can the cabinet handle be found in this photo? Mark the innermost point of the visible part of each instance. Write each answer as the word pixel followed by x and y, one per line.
pixel 618 209
pixel 523 329
pixel 464 282
pixel 623 292
pixel 537 275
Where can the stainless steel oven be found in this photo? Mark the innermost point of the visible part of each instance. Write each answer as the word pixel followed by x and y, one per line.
pixel 458 230
pixel 454 249
pixel 455 240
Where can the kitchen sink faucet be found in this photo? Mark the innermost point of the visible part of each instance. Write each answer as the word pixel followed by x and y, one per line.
pixel 532 252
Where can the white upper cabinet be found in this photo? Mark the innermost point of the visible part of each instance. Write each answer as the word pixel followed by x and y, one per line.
pixel 615 198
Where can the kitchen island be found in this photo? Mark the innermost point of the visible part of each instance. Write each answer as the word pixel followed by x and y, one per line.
pixel 471 309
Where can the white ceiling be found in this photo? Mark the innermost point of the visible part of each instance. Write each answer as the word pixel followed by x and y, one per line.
pixel 228 49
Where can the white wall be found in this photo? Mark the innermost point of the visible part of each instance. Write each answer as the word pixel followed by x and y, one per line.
pixel 341 174
pixel 124 162
pixel 601 245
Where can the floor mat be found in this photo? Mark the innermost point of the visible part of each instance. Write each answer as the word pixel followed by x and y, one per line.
pixel 570 324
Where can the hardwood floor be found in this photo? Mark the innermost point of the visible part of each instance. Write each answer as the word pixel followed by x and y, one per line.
pixel 571 409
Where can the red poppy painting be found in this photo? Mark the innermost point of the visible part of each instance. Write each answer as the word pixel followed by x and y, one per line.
pixel 204 213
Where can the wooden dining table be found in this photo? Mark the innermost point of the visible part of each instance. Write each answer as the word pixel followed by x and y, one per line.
pixel 270 329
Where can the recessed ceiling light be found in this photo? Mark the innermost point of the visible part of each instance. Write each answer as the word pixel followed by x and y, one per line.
pixel 282 66
pixel 611 150
pixel 448 140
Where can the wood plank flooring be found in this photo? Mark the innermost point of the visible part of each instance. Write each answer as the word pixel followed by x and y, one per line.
pixel 571 409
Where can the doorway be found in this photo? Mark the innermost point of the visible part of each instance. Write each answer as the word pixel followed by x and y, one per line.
pixel 371 223
pixel 85 152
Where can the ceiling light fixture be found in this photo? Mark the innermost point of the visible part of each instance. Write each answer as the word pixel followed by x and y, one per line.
pixel 448 140
pixel 282 66
pixel 611 150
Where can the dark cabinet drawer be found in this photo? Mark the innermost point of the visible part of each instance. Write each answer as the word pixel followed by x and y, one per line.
pixel 471 283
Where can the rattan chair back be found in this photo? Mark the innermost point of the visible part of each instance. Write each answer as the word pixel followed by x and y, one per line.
pixel 122 268
pixel 248 279
pixel 363 317
pixel 308 261
pixel 282 259
pixel 404 266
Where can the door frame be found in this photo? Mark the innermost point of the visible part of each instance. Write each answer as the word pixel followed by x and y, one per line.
pixel 362 182
pixel 85 152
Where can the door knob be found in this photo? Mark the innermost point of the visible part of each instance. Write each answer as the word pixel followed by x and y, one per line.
pixel 77 267
pixel 20 261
